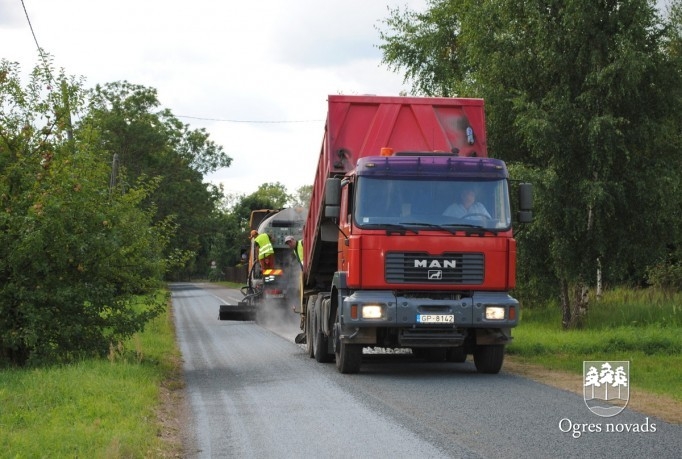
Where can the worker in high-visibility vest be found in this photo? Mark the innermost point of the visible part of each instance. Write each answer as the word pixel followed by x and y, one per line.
pixel 296 247
pixel 264 250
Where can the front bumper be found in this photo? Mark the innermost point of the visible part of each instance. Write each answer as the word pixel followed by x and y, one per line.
pixel 492 314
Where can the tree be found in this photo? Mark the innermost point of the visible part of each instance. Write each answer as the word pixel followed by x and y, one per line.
pixel 149 141
pixel 80 263
pixel 584 94
pixel 301 197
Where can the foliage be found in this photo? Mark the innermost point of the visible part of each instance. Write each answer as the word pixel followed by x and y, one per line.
pixel 586 95
pixel 267 196
pixel 145 140
pixel 73 252
pixel 301 197
pixel 666 276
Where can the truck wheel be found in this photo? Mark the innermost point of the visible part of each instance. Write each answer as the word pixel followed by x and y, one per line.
pixel 321 343
pixel 310 326
pixel 456 354
pixel 489 358
pixel 309 346
pixel 348 356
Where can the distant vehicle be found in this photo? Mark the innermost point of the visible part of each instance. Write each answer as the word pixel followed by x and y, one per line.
pixel 277 288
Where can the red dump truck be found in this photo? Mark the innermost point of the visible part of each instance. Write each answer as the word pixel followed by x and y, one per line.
pixel 393 257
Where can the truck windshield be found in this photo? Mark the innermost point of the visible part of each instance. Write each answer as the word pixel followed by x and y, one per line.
pixel 421 202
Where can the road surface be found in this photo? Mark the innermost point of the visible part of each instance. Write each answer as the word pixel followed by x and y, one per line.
pixel 254 393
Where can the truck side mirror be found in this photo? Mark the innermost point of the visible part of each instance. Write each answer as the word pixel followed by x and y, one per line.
pixel 332 198
pixel 525 203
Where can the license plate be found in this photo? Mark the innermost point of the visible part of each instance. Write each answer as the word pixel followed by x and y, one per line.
pixel 435 318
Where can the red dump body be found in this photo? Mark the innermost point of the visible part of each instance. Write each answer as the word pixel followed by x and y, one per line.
pixel 360 126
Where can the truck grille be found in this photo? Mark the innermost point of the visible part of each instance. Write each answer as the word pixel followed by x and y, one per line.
pixel 449 268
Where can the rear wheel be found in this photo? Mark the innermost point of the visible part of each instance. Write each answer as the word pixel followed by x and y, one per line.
pixel 321 341
pixel 309 335
pixel 489 358
pixel 310 326
pixel 321 344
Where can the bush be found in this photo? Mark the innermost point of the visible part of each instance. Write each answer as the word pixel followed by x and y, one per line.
pixel 75 252
pixel 666 276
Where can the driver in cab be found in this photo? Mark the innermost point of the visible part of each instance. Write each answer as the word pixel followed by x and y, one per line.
pixel 467 206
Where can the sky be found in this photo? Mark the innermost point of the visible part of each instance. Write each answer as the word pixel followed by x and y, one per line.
pixel 255 75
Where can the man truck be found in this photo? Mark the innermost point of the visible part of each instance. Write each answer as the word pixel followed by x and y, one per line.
pixel 386 264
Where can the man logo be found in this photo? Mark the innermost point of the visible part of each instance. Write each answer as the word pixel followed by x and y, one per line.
pixel 605 386
pixel 435 264
pixel 435 274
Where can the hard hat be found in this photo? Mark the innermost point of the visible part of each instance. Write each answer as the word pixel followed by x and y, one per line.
pixel 254 233
pixel 289 238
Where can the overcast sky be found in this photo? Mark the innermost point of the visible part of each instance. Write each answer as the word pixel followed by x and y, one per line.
pixel 256 75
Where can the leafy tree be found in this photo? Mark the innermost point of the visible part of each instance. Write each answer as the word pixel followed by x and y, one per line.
pixel 301 197
pixel 267 196
pixel 76 256
pixel 587 96
pixel 148 141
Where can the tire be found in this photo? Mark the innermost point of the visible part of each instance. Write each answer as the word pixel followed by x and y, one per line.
pixel 456 355
pixel 348 356
pixel 321 346
pixel 321 341
pixel 309 335
pixel 489 358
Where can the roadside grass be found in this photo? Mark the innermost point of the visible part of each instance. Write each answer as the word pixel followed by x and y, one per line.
pixel 641 326
pixel 93 408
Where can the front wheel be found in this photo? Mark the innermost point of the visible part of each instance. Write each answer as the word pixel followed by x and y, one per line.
pixel 489 358
pixel 348 356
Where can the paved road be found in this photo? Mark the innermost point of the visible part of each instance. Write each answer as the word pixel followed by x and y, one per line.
pixel 254 393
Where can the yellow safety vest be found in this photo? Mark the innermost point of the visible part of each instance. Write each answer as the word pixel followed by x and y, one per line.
pixel 264 246
pixel 299 251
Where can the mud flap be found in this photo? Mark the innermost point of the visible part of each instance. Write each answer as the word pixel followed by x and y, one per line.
pixel 241 311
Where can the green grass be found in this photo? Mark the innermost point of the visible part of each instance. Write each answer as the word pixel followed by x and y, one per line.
pixel 640 326
pixel 93 408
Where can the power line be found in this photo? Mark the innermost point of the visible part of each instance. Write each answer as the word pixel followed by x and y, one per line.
pixel 35 39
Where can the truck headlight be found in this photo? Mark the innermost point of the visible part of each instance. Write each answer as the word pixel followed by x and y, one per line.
pixel 494 313
pixel 371 311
